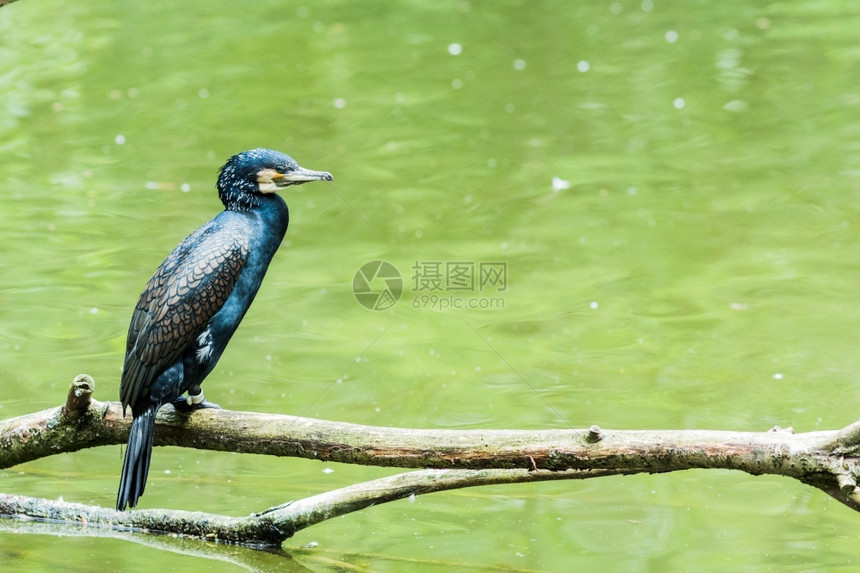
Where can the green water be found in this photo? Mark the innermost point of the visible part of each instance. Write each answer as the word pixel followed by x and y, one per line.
pixel 694 265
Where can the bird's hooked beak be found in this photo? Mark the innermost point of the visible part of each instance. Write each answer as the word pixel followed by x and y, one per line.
pixel 299 176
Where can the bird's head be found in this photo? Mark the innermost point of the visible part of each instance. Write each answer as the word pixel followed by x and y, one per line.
pixel 250 174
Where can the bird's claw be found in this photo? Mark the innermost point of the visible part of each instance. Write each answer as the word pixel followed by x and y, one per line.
pixel 184 404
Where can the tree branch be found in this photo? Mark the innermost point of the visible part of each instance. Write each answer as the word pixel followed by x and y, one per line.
pixel 271 527
pixel 828 460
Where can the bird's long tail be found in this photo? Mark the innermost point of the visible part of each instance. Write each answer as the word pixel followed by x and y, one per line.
pixel 136 464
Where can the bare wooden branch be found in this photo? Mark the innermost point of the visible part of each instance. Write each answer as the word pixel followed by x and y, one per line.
pixel 78 399
pixel 828 460
pixel 271 527
pixel 848 440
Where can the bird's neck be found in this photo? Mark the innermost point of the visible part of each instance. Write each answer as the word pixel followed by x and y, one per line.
pixel 271 213
pixel 273 210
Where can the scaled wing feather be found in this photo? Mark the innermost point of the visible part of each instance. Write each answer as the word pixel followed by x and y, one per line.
pixel 183 295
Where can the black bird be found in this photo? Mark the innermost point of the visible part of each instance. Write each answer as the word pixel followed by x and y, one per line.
pixel 196 299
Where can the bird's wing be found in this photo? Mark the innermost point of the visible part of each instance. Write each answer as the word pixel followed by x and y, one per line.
pixel 157 285
pixel 186 291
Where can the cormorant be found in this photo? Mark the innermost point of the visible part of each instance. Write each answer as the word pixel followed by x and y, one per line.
pixel 196 299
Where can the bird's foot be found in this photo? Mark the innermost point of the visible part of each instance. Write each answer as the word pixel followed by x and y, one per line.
pixel 193 402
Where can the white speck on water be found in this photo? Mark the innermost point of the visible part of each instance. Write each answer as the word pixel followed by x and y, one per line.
pixel 559 184
pixel 377 409
pixel 268 357
pixel 731 34
pixel 339 103
pixel 185 187
pixel 632 190
pixel 203 93
pixel 455 49
pixel 339 380
pixel 777 376
pixel 491 163
pixel 647 5
pixel 328 471
pixel 119 139
pixel 311 545
pixel 593 305
pixel 678 103
pixel 456 83
pixel 94 310
pixel 671 36
pixel 519 64
pixel 616 8
pixel 167 472
pixel 736 106
pixel 412 497
pixel 504 246
pixel 582 66
pixel 477 368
